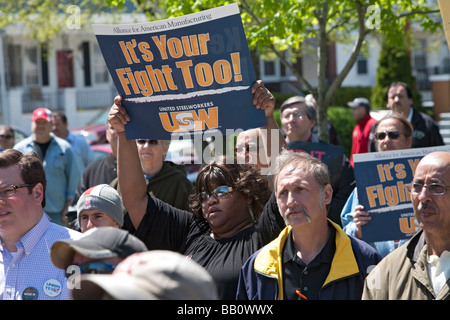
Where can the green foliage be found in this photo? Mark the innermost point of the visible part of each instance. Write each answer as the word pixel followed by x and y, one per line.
pixel 394 64
pixel 342 119
pixel 347 94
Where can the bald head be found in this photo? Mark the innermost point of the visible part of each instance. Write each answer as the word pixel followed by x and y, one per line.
pixel 439 160
pixel 431 199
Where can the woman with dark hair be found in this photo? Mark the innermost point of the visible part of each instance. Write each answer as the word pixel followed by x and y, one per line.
pixel 229 220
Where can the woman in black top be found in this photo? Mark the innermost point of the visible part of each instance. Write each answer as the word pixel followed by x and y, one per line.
pixel 228 222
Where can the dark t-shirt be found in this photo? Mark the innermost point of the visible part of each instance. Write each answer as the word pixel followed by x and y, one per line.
pixel 167 228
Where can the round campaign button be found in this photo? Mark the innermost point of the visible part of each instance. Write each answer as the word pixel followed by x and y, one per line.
pixel 52 288
pixel 30 293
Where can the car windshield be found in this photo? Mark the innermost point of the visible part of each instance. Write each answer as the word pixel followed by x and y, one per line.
pixel 101 118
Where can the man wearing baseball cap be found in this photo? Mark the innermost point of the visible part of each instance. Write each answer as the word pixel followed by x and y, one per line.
pixel 150 275
pixel 364 122
pixel 61 169
pixel 99 206
pixel 99 251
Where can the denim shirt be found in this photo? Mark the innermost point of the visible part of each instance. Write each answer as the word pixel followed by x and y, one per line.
pixel 61 171
pixel 81 150
pixel 383 247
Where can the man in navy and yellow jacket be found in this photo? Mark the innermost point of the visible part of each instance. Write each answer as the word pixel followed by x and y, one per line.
pixel 312 258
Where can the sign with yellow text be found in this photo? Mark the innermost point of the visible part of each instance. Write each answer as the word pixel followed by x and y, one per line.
pixel 188 75
pixel 381 179
pixel 444 6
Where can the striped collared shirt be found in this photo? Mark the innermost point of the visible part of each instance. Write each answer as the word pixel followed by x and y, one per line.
pixel 29 273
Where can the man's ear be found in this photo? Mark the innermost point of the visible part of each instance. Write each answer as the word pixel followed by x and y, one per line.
pixel 38 192
pixel 328 194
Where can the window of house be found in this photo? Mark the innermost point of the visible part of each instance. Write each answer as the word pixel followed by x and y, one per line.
pixel 101 74
pixel 14 65
pixel 269 68
pixel 361 65
pixel 31 66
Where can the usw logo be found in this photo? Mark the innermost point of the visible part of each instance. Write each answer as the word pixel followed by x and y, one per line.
pixel 190 120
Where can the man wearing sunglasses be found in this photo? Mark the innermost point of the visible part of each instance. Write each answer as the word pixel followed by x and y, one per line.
pixel 26 233
pixel 7 139
pixel 393 132
pixel 99 251
pixel 420 269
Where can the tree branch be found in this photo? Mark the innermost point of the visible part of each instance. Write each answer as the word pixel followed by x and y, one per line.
pixel 277 52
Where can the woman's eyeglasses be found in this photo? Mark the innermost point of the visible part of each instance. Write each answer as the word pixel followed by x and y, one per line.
pixel 219 192
pixel 391 134
pixel 149 141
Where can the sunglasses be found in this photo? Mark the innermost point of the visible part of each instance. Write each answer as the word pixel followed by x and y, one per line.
pixel 96 267
pixel 6 136
pixel 217 193
pixel 391 134
pixel 149 141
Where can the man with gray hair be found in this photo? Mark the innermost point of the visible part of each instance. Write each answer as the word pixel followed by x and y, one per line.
pixel 312 258
pixel 298 119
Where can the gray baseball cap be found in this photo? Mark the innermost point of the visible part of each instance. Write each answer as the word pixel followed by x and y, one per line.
pixel 97 243
pixel 150 275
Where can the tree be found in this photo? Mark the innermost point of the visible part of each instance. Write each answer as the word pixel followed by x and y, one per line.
pixel 394 64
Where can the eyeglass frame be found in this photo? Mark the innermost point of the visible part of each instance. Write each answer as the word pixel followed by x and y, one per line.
pixel 151 142
pixel 388 134
pixel 411 185
pixel 15 188
pixel 295 114
pixel 204 197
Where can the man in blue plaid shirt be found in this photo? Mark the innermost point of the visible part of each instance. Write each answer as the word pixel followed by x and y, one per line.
pixel 26 233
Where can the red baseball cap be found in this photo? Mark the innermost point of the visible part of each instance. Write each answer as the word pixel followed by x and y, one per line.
pixel 42 113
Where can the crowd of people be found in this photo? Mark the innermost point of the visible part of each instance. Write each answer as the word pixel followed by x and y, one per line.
pixel 294 232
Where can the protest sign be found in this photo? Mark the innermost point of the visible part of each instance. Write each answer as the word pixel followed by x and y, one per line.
pixel 382 179
pixel 187 76
pixel 444 7
pixel 331 155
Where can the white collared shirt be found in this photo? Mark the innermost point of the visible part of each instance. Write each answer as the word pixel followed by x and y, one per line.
pixel 439 270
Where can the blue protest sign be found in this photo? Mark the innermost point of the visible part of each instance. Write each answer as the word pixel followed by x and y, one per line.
pixel 331 155
pixel 188 75
pixel 381 179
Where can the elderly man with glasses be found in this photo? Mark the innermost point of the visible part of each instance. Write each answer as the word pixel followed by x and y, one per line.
pixel 420 269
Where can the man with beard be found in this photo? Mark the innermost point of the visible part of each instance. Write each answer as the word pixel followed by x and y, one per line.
pixel 312 258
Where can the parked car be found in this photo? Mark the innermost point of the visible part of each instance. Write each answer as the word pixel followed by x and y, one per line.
pixel 101 150
pixel 180 152
pixel 19 133
pixel 95 131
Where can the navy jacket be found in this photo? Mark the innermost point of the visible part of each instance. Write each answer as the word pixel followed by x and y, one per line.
pixel 261 276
